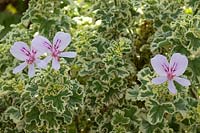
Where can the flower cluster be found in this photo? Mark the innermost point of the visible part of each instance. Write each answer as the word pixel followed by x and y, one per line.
pixel 39 46
pixel 170 71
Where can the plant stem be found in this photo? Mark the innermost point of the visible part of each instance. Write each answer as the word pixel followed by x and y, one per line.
pixel 77 124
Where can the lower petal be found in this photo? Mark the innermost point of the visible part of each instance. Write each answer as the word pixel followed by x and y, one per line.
pixel 182 81
pixel 172 87
pixel 68 54
pixel 19 68
pixel 55 64
pixel 41 63
pixel 31 71
pixel 159 80
pixel 47 59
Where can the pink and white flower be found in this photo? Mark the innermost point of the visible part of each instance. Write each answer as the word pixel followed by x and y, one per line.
pixel 21 51
pixel 60 41
pixel 170 71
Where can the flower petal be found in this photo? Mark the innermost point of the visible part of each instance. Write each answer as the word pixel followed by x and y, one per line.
pixel 47 59
pixel 179 63
pixel 19 68
pixel 31 70
pixel 61 40
pixel 41 63
pixel 172 87
pixel 55 64
pixel 159 80
pixel 19 50
pixel 41 44
pixel 182 81
pixel 68 54
pixel 159 64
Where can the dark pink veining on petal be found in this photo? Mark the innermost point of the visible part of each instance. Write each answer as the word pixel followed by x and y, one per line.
pixel 57 45
pixel 30 54
pixel 47 45
pixel 54 49
pixel 165 67
pixel 170 71
pixel 25 51
pixel 174 67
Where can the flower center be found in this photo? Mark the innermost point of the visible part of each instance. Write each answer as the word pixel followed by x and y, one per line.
pixel 170 71
pixel 30 54
pixel 55 53
pixel 170 76
pixel 54 49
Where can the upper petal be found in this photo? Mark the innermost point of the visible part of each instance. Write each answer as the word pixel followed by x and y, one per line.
pixel 68 54
pixel 159 80
pixel 61 40
pixel 182 81
pixel 41 44
pixel 178 64
pixel 160 64
pixel 172 87
pixel 20 50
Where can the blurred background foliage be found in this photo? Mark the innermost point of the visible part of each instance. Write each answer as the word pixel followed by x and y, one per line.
pixel 11 12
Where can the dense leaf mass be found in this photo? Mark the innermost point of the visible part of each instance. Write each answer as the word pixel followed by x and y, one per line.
pixel 107 87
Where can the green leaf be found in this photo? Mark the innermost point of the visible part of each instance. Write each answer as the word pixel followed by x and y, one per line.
pixel 67 115
pixel 49 118
pixel 31 127
pixel 32 115
pixel 195 70
pixel 164 43
pixel 192 102
pixel 145 76
pixel 97 86
pixel 57 101
pixel 132 113
pixel 157 111
pixel 119 118
pixel 13 113
pixel 180 104
pixel 145 94
pixel 77 96
pixel 147 127
pixel 122 72
pixel 132 94
pixel 194 41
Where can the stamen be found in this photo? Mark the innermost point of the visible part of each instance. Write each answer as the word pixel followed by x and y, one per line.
pixel 46 44
pixel 165 67
pixel 31 56
pixel 173 68
pixel 57 45
pixel 25 51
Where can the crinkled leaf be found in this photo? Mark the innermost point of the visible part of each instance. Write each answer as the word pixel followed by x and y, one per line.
pixel 49 118
pixel 13 113
pixel 157 111
pixel 147 127
pixel 119 118
pixel 57 101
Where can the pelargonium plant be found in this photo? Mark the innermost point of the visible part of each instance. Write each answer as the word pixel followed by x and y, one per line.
pixel 107 83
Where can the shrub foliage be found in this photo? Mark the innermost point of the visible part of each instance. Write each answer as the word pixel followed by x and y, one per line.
pixel 107 87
